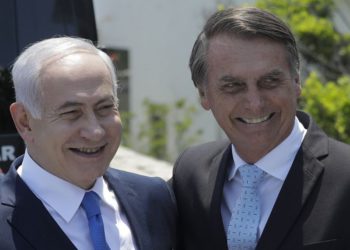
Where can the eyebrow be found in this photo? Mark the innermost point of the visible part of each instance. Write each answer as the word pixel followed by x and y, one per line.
pixel 230 79
pixel 70 104
pixel 275 72
pixel 272 73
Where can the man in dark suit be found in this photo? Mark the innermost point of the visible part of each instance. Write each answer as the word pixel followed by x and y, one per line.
pixel 279 182
pixel 61 194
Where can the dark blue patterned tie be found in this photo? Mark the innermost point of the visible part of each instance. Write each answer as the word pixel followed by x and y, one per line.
pixel 242 232
pixel 91 206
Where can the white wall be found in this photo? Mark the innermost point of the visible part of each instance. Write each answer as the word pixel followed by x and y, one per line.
pixel 341 17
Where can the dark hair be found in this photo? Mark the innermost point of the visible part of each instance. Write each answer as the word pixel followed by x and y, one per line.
pixel 247 22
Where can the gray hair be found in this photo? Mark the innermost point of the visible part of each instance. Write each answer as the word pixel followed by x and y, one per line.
pixel 244 22
pixel 27 69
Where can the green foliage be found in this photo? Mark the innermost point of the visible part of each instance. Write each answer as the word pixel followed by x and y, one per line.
pixel 126 118
pixel 286 8
pixel 183 122
pixel 154 130
pixel 320 43
pixel 329 104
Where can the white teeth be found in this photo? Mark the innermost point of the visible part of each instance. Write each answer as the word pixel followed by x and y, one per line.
pixel 255 120
pixel 89 150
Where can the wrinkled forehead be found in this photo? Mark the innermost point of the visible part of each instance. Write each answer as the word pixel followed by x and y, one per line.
pixel 259 42
pixel 69 59
pixel 76 71
pixel 76 80
pixel 76 65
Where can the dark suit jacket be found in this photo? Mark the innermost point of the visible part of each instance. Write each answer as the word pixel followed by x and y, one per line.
pixel 26 224
pixel 312 210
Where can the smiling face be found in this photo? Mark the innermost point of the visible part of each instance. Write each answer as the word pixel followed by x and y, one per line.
pixel 251 92
pixel 80 128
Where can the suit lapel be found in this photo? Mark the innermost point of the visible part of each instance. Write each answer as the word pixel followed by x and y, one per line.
pixel 132 206
pixel 289 204
pixel 216 180
pixel 29 218
pixel 301 180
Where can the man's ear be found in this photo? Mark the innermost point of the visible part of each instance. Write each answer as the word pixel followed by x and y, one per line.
pixel 297 85
pixel 204 97
pixel 20 117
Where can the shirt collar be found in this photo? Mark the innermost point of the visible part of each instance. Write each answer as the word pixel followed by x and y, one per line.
pixel 280 159
pixel 62 196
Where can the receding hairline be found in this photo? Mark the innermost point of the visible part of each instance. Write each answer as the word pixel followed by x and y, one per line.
pixel 60 58
pixel 249 38
pixel 246 22
pixel 63 61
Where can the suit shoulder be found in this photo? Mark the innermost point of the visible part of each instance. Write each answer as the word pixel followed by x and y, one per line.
pixel 207 150
pixel 136 179
pixel 339 155
pixel 197 159
pixel 142 185
pixel 146 188
pixel 339 147
pixel 203 152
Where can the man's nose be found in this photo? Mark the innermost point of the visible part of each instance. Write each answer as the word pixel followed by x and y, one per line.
pixel 254 100
pixel 92 129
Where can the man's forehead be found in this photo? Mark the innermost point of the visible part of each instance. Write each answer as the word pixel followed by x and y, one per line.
pixel 66 58
pixel 81 102
pixel 273 73
pixel 75 68
pixel 83 64
pixel 68 103
pixel 244 45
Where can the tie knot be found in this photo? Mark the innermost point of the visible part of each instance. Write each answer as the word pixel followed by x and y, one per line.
pixel 91 204
pixel 251 175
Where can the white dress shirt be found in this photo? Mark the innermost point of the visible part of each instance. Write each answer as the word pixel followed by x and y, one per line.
pixel 62 199
pixel 276 164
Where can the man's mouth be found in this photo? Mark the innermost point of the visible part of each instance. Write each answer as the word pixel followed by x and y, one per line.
pixel 88 151
pixel 255 120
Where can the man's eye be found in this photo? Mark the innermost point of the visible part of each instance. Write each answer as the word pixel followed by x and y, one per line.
pixel 270 82
pixel 232 86
pixel 106 109
pixel 71 114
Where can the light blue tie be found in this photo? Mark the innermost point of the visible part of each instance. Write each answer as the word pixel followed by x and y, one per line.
pixel 242 231
pixel 91 206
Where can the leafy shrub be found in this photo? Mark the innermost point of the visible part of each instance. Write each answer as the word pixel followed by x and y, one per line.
pixel 329 105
